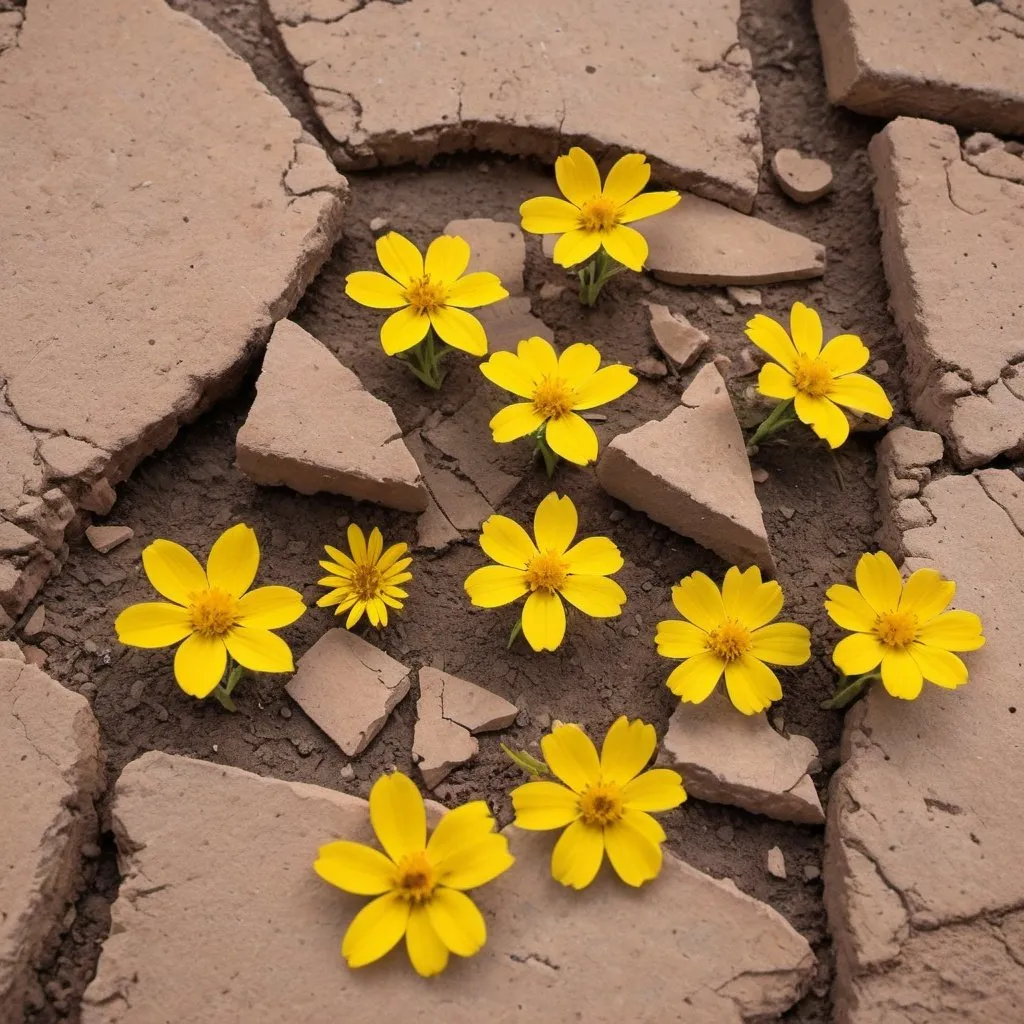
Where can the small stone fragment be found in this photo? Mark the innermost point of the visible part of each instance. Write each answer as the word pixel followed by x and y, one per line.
pixel 380 225
pixel 811 872
pixel 68 457
pixel 438 744
pixel 106 538
pixel 550 291
pixel 433 530
pixel 724 305
pixel 36 623
pixel 14 540
pixel 475 708
pixel 677 338
pixel 348 687
pixel 510 321
pixel 803 178
pixel 313 427
pixel 34 655
pixel 744 296
pixel 462 504
pixel 99 498
pixel 495 246
pixel 904 457
pixel 759 475
pixel 776 863
pixel 653 369
pixel 690 471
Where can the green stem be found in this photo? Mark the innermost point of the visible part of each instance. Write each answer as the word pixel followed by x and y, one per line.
pixel 778 419
pixel 425 361
pixel 849 690
pixel 545 452
pixel 227 685
pixel 593 277
pixel 516 630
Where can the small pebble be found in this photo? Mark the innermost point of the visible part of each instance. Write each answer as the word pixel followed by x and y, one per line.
pixel 631 631
pixel 549 290
pixel 725 833
pixel 654 369
pixel 759 475
pixel 543 719
pixel 647 586
pixel 776 863
pixel 34 655
pixel 90 851
pixel 879 368
pixel 617 516
pixel 379 225
pixel 523 718
pixel 723 364
pixel 347 773
pixel 723 304
pixel 36 622
pixel 285 712
pixel 787 512
pixel 744 296
pixel 811 872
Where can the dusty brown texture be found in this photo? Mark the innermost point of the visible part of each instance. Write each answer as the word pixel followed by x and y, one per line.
pixel 314 427
pixel 690 471
pixel 730 758
pixel 185 832
pixel 960 61
pixel 497 246
pixel 50 775
pixel 922 876
pixel 905 457
pixel 533 83
pixel 951 238
pixel 803 178
pixel 157 166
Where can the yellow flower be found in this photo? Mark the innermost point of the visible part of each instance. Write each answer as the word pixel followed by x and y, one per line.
pixel 817 379
pixel 212 611
pixel 556 387
pixel 419 884
pixel 604 803
pixel 433 293
pixel 727 631
pixel 596 217
pixel 548 571
pixel 368 581
pixel 903 627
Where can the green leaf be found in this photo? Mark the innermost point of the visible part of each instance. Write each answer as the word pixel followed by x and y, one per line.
pixel 530 764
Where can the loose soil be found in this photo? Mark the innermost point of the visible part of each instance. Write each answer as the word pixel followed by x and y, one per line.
pixel 819 509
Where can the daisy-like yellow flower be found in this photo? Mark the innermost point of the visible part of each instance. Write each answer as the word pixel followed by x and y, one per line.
pixel 604 804
pixel 592 217
pixel 367 581
pixel 419 885
pixel 547 571
pixel 727 631
pixel 430 296
pixel 213 611
pixel 556 388
pixel 902 627
pixel 816 380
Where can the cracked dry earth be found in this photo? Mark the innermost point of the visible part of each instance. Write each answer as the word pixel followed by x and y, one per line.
pixel 169 199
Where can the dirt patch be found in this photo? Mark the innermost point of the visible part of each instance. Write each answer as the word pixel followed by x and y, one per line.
pixel 817 528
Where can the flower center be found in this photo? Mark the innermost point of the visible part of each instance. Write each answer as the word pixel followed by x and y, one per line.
pixel 366 582
pixel 897 629
pixel 730 640
pixel 547 571
pixel 601 803
pixel 425 296
pixel 553 398
pixel 812 377
pixel 415 878
pixel 598 214
pixel 213 611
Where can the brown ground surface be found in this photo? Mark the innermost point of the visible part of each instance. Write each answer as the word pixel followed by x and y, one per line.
pixel 192 491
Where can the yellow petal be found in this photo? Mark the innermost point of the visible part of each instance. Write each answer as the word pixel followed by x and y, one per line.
pixel 355 867
pixel 555 523
pixel 495 585
pixel 696 678
pixel 952 631
pixel 926 593
pixel 342 593
pixel 751 685
pixel 745 596
pixel 400 258
pixel 596 596
pixel 879 582
pixel 775 381
pixel 577 176
pixel 398 816
pixel 858 653
pixel 540 806
pixel 460 329
pixel 660 789
pixel 508 371
pixel 515 421
pixel 862 394
pixel 447 259
pixel 573 438
pixel 781 643
pixel 571 756
pixel 478 289
pixel 576 858
pixel 356 544
pixel 427 953
pixel 805 328
pixel 476 865
pixel 234 559
pixel 594 556
pixel 676 639
pixel 626 749
pixel 173 571
pixel 824 417
pixel 271 607
pixel 578 363
pixel 378 291
pixel 771 337
pixel 458 829
pixel 547 215
pixel 259 650
pixel 847 608
pixel 576 247
pixel 939 667
pixel 152 624
pixel 506 542
pixel 845 353
pixel 457 921
pixel 650 204
pixel 628 177
pixel 539 358
pixel 375 930
pixel 389 560
pixel 643 823
pixel 199 664
pixel 357 611
pixel 901 675
pixel 627 246
pixel 698 599
pixel 604 386
pixel 403 330
pixel 374 545
pixel 633 856
pixel 339 557
pixel 543 621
